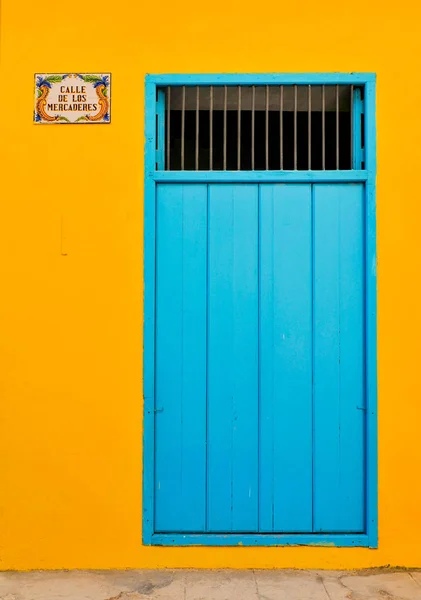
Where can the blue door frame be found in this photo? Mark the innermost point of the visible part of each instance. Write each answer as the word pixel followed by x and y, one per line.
pixel 368 177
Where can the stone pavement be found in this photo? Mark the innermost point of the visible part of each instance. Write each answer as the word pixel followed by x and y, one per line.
pixel 377 584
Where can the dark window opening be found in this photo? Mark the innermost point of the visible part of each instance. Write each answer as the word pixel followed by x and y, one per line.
pixel 293 127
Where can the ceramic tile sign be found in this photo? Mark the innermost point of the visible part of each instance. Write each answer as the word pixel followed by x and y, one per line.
pixel 69 98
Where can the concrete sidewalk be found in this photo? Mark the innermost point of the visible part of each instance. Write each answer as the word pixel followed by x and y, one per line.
pixel 378 584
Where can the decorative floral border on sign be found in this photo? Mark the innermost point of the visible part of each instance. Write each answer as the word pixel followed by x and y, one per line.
pixel 43 85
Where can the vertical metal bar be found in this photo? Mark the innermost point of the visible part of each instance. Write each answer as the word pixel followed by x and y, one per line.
pixel 281 126
pixel 337 125
pixel 197 129
pixel 183 125
pixel 323 128
pixel 225 127
pixel 351 111
pixel 211 128
pixel 239 130
pixel 309 127
pixel 168 126
pixel 253 106
pixel 295 127
pixel 267 128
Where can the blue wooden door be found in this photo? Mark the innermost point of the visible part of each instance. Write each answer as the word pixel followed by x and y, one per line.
pixel 259 358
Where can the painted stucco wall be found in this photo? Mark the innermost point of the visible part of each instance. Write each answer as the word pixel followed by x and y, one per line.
pixel 71 231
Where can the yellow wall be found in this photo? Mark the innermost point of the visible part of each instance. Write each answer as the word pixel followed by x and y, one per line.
pixel 71 326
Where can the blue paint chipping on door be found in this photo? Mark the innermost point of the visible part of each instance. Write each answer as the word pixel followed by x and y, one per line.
pixel 259 358
pixel 260 349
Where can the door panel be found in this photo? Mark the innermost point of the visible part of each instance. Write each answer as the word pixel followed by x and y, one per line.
pixel 285 358
pixel 180 422
pixel 338 358
pixel 259 423
pixel 233 358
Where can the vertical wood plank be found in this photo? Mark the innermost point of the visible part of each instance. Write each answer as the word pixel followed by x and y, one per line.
pixel 180 421
pixel 149 316
pixel 286 359
pixel 370 314
pixel 233 358
pixel 339 400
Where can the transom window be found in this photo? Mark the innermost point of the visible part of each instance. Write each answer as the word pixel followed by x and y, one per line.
pixel 262 127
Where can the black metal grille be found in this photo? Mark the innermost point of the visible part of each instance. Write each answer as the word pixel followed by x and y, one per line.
pixel 247 128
